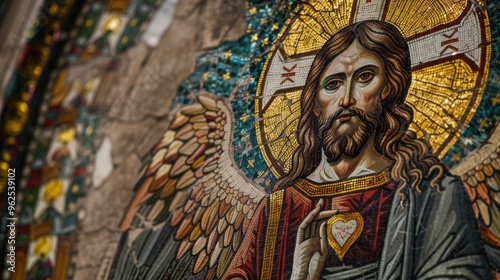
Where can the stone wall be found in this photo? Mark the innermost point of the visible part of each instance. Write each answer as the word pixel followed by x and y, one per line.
pixel 138 115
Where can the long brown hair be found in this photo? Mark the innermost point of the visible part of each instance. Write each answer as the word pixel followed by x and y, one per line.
pixel 412 158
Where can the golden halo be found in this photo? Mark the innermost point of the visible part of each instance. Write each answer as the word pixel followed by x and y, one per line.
pixel 450 65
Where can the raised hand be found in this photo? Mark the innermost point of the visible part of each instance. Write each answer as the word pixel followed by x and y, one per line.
pixel 311 246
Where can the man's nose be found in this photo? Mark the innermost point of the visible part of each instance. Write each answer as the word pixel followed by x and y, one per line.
pixel 347 100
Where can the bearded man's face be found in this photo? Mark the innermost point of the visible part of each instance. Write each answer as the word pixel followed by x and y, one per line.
pixel 350 101
pixel 336 144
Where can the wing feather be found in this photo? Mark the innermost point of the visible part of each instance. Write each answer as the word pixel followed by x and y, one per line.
pixel 214 252
pixel 177 217
pixel 184 247
pixel 156 209
pixel 179 198
pixel 179 121
pixel 199 245
pixel 200 262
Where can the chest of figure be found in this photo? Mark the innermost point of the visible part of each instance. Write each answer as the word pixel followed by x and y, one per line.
pixel 356 234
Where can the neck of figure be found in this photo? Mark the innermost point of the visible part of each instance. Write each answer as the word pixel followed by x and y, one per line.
pixel 368 161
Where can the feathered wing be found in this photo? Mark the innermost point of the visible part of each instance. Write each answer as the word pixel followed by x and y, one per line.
pixel 480 175
pixel 191 191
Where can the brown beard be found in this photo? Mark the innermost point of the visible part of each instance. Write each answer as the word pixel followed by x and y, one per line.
pixel 334 145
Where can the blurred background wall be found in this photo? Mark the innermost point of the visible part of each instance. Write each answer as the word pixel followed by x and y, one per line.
pixel 86 91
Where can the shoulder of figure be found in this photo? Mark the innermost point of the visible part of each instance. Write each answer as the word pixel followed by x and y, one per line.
pixel 451 181
pixel 289 194
pixel 450 189
pixel 447 183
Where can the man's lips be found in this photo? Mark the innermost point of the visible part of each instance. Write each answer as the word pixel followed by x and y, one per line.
pixel 345 115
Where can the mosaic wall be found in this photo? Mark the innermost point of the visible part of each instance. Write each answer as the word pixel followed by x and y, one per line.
pixel 131 176
pixel 197 212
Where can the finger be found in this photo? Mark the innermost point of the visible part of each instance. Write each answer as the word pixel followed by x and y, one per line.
pixel 305 233
pixel 300 236
pixel 301 233
pixel 310 217
pixel 325 214
pixel 313 229
pixel 323 238
pixel 320 203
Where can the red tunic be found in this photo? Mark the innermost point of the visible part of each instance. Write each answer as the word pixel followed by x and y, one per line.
pixel 268 248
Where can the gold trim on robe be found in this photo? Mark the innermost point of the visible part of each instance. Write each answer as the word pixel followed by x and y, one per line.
pixel 342 187
pixel 276 205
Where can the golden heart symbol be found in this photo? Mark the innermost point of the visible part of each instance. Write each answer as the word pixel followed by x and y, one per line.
pixel 343 231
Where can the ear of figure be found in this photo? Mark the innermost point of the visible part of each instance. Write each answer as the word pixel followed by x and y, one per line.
pixel 316 110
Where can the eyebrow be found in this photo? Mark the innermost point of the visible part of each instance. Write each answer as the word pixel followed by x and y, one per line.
pixel 365 67
pixel 342 75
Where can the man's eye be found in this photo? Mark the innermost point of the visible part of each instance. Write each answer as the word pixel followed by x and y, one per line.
pixel 365 77
pixel 333 84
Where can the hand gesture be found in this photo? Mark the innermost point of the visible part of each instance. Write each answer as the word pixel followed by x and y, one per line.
pixel 311 247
